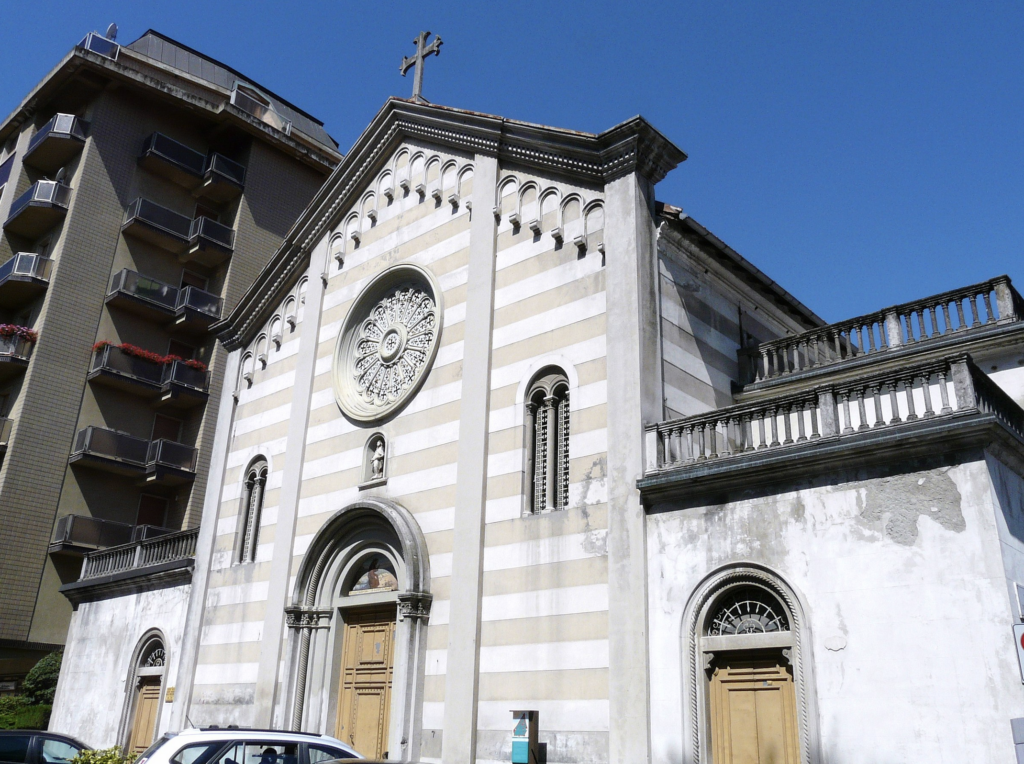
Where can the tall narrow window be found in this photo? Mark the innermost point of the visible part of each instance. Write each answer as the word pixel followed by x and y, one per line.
pixel 547 442
pixel 255 485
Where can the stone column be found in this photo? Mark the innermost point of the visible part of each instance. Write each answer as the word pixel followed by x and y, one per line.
pixel 529 424
pixel 551 452
pixel 634 397
pixel 458 746
pixel 264 702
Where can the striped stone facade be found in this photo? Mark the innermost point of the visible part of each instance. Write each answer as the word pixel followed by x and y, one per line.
pixel 536 630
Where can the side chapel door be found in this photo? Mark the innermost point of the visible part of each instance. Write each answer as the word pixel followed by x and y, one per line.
pixel 753 713
pixel 368 655
pixel 147 702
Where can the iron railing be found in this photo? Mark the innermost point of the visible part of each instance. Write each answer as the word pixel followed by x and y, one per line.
pixel 27 264
pixel 65 125
pixel 960 310
pixel 140 554
pixel 42 192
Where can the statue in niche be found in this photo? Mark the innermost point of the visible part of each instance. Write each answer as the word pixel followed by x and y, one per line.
pixel 377 575
pixel 377 462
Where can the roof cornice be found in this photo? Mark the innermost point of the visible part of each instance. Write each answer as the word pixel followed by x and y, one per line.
pixel 632 146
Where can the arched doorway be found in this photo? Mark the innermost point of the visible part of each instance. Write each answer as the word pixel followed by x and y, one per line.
pixel 750 698
pixel 145 688
pixel 358 630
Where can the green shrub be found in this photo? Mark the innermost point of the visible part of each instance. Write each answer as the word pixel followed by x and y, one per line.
pixel 41 682
pixel 105 756
pixel 17 714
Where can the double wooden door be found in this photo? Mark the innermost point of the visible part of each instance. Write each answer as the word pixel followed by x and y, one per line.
pixel 753 713
pixel 368 653
pixel 147 703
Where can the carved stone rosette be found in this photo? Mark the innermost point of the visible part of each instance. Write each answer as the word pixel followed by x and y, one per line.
pixel 387 343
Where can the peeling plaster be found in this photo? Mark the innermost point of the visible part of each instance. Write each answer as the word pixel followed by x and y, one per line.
pixel 900 499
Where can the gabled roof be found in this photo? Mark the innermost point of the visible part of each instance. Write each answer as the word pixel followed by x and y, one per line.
pixel 631 146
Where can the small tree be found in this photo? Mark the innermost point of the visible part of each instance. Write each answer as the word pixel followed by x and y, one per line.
pixel 41 682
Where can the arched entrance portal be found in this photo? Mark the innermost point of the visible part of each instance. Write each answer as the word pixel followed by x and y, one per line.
pixel 750 698
pixel 145 687
pixel 358 639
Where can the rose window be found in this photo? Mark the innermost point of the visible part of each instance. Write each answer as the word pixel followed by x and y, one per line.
pixel 387 343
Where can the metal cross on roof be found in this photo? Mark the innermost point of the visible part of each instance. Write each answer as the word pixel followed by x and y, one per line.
pixel 422 51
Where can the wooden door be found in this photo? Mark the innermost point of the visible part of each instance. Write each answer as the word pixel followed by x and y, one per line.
pixel 364 707
pixel 147 702
pixel 753 713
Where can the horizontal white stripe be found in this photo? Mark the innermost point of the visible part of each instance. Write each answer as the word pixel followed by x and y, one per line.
pixel 433 716
pixel 546 281
pixel 266 387
pixel 237 594
pixel 539 656
pixel 544 551
pixel 424 400
pixel 226 673
pixel 581 352
pixel 263 419
pixel 550 320
pixel 590 598
pixel 586 396
pixel 436 520
pixel 507 508
pixel 568 715
pixel 230 633
pixel 270 448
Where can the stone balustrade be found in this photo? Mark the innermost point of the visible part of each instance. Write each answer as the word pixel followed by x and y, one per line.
pixel 960 310
pixel 872 401
pixel 140 554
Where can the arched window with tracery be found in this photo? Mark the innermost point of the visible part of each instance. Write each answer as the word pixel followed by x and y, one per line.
pixel 546 422
pixel 252 508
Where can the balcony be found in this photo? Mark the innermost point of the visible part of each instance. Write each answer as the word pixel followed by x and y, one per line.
pixel 142 296
pixel 170 556
pixel 210 243
pixel 6 425
pixel 23 278
pixel 39 209
pixel 158 225
pixel 15 353
pixel 215 177
pixel 56 142
pixel 974 313
pixel 112 367
pixel 80 534
pixel 97 43
pixel 189 309
pixel 173 382
pixel 150 462
pixel 877 416
pixel 184 386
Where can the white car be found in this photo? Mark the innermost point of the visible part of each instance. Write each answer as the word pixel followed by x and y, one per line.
pixel 239 745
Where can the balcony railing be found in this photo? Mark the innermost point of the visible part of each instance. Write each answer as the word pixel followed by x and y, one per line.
pixel 73 532
pixel 157 224
pixel 156 293
pixel 14 348
pixel 39 208
pixel 922 321
pixel 161 147
pixel 27 265
pixel 56 142
pixel 6 425
pixel 180 373
pixel 261 111
pixel 199 300
pixel 97 43
pixel 160 460
pixel 205 230
pixel 874 401
pixel 110 359
pixel 141 554
pixel 115 446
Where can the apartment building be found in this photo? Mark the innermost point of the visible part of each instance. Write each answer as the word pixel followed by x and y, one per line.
pixel 142 189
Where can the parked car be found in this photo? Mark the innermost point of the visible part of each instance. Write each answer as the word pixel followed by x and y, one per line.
pixel 38 747
pixel 235 745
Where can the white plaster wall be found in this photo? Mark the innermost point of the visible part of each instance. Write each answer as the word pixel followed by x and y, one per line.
pixel 905 572
pixel 97 661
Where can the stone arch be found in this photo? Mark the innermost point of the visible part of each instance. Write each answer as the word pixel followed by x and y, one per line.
pixel 507 202
pixel 711 590
pixel 143 665
pixel 546 420
pixel 374 526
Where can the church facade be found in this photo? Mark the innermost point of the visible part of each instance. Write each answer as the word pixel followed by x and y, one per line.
pixel 501 432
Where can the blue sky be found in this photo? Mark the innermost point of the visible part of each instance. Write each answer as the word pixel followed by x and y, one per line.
pixel 861 154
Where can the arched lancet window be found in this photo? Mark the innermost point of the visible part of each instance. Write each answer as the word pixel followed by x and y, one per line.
pixel 252 507
pixel 745 631
pixel 547 441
